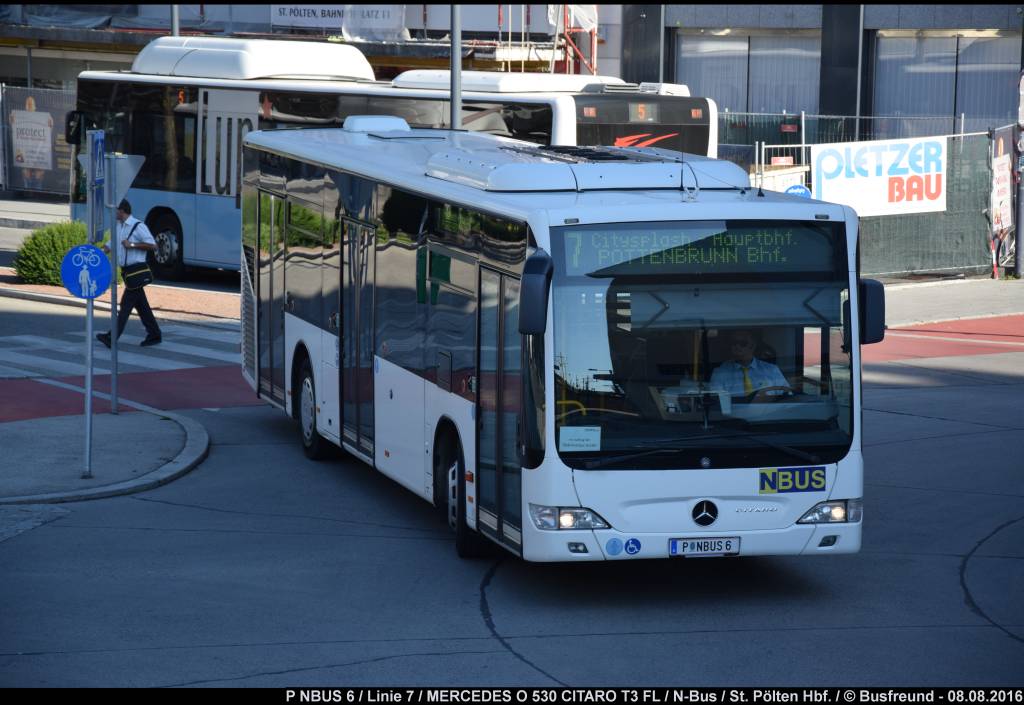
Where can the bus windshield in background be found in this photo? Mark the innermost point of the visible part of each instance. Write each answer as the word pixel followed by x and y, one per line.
pixel 711 344
pixel 158 121
pixel 524 121
pixel 644 120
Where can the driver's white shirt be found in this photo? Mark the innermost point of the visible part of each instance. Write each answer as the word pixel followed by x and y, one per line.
pixel 729 376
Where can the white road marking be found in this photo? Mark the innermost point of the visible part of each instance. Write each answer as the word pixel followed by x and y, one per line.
pixel 954 340
pixel 46 364
pixel 100 352
pixel 184 349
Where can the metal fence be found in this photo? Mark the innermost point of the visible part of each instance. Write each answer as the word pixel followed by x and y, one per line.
pixel 803 128
pixel 956 239
pixel 35 156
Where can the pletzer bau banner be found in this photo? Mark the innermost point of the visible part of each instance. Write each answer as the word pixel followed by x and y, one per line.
pixel 883 177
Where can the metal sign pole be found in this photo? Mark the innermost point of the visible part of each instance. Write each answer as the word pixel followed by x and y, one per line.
pixel 90 234
pixel 111 190
pixel 456 69
pixel 87 475
pixel 90 237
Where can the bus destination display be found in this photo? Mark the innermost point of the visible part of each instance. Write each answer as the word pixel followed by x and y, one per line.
pixel 698 248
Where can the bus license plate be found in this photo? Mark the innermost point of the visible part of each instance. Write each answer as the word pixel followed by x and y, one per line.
pixel 711 546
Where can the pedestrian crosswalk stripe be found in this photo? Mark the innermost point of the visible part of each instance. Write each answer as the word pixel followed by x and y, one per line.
pixel 231 337
pixel 64 354
pixel 182 348
pixel 100 352
pixel 11 372
pixel 40 363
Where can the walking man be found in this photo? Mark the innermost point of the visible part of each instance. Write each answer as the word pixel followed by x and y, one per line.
pixel 133 242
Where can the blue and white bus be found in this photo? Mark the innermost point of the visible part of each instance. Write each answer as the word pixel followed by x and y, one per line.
pixel 553 344
pixel 188 102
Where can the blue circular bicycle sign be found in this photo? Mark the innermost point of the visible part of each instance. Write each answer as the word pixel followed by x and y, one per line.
pixel 85 271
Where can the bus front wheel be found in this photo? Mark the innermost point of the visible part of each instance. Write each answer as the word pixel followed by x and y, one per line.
pixel 449 462
pixel 168 260
pixel 313 444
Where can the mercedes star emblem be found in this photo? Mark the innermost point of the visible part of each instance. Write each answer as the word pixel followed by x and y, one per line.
pixel 705 513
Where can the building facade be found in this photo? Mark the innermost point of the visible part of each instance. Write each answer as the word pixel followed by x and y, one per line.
pixel 957 64
pixel 48 45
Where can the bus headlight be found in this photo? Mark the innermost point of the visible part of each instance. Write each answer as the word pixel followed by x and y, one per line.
pixel 834 512
pixel 554 518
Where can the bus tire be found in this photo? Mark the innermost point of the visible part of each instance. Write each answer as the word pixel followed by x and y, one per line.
pixel 449 464
pixel 313 444
pixel 168 259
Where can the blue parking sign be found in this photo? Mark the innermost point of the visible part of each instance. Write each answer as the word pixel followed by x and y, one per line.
pixel 85 271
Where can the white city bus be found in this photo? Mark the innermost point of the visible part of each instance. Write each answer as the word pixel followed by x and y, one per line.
pixel 529 337
pixel 188 101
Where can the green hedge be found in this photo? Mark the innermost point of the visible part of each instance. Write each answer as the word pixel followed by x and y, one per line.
pixel 39 257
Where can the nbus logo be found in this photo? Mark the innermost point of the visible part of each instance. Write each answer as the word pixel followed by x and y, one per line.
pixel 777 480
pixel 882 177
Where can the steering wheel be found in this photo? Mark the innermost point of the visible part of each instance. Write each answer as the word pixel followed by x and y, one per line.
pixel 761 395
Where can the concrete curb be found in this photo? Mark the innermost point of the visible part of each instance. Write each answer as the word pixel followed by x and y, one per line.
pixel 946 282
pixel 51 298
pixel 197 447
pixel 949 319
pixel 27 224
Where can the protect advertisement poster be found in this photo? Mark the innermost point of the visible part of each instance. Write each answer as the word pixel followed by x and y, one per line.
pixel 38 158
pixel 32 136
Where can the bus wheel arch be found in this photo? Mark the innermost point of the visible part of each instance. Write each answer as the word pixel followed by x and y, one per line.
pixel 304 409
pixel 169 258
pixel 449 480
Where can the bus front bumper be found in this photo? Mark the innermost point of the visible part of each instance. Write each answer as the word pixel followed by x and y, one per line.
pixel 612 545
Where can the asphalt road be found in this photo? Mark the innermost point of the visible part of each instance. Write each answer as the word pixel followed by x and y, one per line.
pixel 262 568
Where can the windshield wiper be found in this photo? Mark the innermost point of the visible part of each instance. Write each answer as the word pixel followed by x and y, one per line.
pixel 795 452
pixel 594 464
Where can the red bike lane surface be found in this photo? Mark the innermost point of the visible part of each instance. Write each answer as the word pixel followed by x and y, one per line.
pixel 203 387
pixel 223 386
pixel 964 337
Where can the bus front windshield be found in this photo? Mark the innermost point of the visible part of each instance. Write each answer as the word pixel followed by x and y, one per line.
pixel 709 344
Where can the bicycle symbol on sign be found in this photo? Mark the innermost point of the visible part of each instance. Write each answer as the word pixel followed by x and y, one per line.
pixel 85 257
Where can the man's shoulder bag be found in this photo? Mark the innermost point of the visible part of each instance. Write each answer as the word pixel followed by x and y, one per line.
pixel 136 275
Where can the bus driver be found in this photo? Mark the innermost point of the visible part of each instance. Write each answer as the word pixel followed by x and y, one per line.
pixel 745 374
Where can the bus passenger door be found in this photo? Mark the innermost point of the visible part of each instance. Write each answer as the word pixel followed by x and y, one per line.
pixel 499 476
pixel 270 285
pixel 224 119
pixel 357 334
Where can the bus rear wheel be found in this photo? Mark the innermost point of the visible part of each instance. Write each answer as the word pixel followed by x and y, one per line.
pixel 313 444
pixel 167 261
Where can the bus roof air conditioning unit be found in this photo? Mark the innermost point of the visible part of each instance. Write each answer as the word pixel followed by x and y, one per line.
pixel 375 123
pixel 498 82
pixel 665 89
pixel 244 59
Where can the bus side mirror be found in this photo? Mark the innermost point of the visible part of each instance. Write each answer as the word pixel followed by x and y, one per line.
pixel 533 293
pixel 73 127
pixel 872 311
